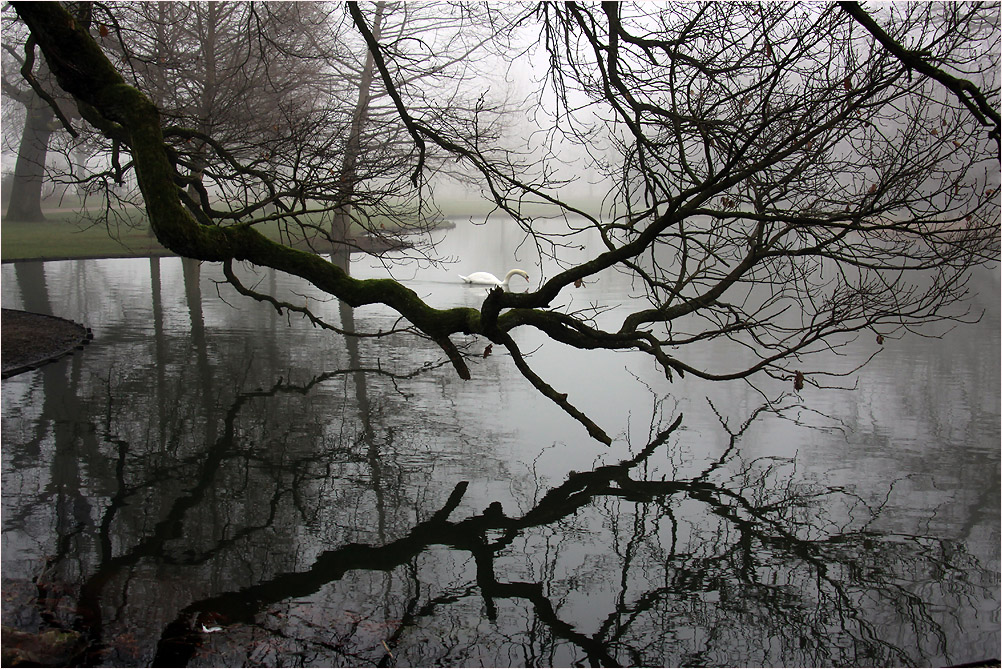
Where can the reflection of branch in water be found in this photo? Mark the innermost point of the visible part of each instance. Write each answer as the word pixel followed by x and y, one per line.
pixel 776 407
pixel 764 535
pixel 180 638
pixel 155 543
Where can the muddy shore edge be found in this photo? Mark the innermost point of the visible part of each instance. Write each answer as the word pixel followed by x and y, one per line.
pixel 29 340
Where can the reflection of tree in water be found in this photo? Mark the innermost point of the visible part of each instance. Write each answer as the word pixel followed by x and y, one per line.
pixel 304 531
pixel 751 570
pixel 162 494
pixel 222 513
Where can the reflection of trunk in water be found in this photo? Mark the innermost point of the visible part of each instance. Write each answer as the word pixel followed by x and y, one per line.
pixel 368 437
pixel 373 455
pixel 31 281
pixel 34 298
pixel 66 472
pixel 172 526
pixel 72 447
pixel 160 344
pixel 60 407
pixel 153 546
pixel 193 295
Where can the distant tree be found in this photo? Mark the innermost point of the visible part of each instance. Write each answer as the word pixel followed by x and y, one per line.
pixel 25 199
pixel 439 51
pixel 219 72
pixel 37 122
pixel 780 178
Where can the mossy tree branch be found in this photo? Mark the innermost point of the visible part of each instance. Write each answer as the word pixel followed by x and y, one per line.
pixel 84 71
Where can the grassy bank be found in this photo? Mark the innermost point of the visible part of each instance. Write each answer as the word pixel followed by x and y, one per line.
pixel 68 235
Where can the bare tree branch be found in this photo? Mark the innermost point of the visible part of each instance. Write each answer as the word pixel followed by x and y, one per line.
pixel 966 91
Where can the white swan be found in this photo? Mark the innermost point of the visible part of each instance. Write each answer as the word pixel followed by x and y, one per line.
pixel 488 279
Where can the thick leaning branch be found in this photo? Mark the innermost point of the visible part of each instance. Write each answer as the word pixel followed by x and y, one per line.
pixel 84 71
pixel 548 292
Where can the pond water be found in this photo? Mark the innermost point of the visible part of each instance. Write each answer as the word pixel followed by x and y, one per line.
pixel 212 484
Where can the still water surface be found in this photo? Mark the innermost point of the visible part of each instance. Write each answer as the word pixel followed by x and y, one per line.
pixel 206 463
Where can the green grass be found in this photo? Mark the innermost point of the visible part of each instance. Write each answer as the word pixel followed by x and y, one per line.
pixel 68 235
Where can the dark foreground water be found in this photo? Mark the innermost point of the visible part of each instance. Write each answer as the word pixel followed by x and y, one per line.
pixel 210 485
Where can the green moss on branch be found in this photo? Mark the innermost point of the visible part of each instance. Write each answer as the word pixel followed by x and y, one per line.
pixel 83 70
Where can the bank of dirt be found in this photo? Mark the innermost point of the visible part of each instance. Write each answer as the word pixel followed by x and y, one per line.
pixel 28 340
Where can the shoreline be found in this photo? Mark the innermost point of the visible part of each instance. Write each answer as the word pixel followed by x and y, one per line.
pixel 31 340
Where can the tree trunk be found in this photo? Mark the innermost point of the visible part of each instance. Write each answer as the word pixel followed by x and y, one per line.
pixel 207 32
pixel 341 225
pixel 29 171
